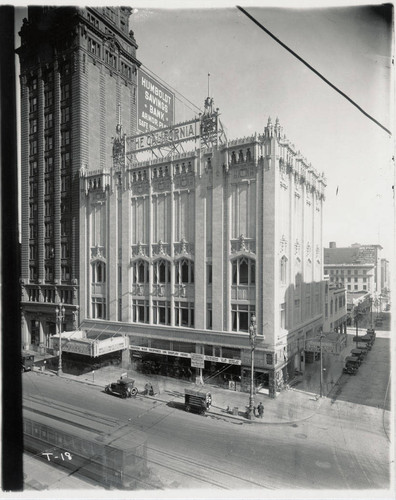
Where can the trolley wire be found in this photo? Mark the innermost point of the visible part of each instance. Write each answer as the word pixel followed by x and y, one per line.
pixel 334 87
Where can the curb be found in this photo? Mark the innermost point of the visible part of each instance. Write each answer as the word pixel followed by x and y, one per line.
pixel 242 420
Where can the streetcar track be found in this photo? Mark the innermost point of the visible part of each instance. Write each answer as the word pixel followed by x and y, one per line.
pixel 217 470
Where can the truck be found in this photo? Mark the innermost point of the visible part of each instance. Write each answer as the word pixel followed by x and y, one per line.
pixel 198 401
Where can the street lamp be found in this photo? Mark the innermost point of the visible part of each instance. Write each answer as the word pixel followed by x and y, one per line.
pixel 252 339
pixel 60 316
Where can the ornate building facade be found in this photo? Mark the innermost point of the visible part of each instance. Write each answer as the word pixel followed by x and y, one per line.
pixel 77 66
pixel 181 253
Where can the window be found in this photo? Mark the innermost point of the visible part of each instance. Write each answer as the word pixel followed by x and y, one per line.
pixel 98 272
pixel 65 273
pixel 331 307
pixel 32 273
pixel 326 310
pixel 33 126
pixel 48 98
pixel 65 91
pixel 93 47
pixel 283 270
pixel 33 84
pixel 356 271
pixel 184 314
pixel 33 147
pixel 99 307
pixel 48 229
pixel 48 273
pixel 364 287
pixel 241 316
pixel 65 136
pixel 48 208
pixel 209 323
pixel 65 250
pixel 65 183
pixel 48 186
pixel 33 104
pixel 65 115
pixel 364 272
pixel 65 227
pixel 209 274
pixel 65 160
pixel 161 312
pixel 349 280
pixel 161 271
pixel 32 252
pixel 33 167
pixel 356 287
pixel 356 280
pixel 33 188
pixel 243 271
pixel 49 142
pixel 140 272
pixel 283 315
pixel 184 271
pixel 364 280
pixel 48 164
pixel 337 271
pixel 349 287
pixel 32 231
pixel 48 120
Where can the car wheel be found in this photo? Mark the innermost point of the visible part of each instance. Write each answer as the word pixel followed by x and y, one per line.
pixel 107 390
pixel 134 391
pixel 188 408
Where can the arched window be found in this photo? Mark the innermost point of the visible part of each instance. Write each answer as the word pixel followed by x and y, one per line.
pixel 184 271
pixel 161 271
pixel 140 272
pixel 243 271
pixel 283 270
pixel 99 272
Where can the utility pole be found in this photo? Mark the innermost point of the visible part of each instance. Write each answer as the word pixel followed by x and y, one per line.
pixel 60 316
pixel 252 338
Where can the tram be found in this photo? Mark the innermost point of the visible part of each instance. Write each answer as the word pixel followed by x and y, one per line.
pixel 113 457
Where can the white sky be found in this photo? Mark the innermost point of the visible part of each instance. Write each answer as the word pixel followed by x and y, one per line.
pixel 253 77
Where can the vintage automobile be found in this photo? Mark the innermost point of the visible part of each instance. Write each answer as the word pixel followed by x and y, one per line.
pixel 124 387
pixel 27 362
pixel 350 369
pixel 352 362
pixel 358 353
pixel 197 401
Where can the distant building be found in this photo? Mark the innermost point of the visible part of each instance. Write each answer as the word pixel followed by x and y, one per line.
pixel 358 267
pixel 385 276
pixel 335 312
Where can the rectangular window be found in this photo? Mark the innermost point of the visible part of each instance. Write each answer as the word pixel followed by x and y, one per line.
pixel 140 311
pixel 48 164
pixel 33 147
pixel 241 316
pixel 65 273
pixel 364 280
pixel 356 280
pixel 48 120
pixel 65 115
pixel 49 142
pixel 48 229
pixel 48 98
pixel 33 189
pixel 65 183
pixel 209 317
pixel 349 280
pixel 33 104
pixel 283 315
pixel 65 138
pixel 356 271
pixel 161 312
pixel 48 273
pixel 209 273
pixel 48 208
pixel 184 314
pixel 326 310
pixel 65 91
pixel 65 160
pixel 32 252
pixel 65 250
pixel 364 287
pixel 349 287
pixel 364 272
pixel 48 186
pixel 356 287
pixel 99 307
pixel 32 231
pixel 33 167
pixel 33 126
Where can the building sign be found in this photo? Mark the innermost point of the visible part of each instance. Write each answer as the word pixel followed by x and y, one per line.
pixel 110 345
pixel 77 347
pixel 197 360
pixel 155 105
pixel 216 359
pixel 182 132
pixel 330 346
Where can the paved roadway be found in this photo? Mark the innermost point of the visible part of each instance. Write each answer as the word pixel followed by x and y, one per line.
pixel 343 446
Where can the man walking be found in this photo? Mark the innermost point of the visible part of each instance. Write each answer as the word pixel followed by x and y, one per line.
pixel 260 409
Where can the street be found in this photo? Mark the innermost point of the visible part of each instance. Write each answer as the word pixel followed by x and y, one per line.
pixel 342 446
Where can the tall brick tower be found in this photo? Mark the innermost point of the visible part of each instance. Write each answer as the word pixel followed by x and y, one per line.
pixel 78 80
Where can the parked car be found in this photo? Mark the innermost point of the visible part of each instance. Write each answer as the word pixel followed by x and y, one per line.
pixel 197 401
pixel 27 362
pixel 124 387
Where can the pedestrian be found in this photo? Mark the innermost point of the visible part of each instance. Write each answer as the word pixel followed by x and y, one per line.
pixel 260 409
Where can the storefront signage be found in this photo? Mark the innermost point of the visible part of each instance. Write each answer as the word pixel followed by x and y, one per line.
pixel 182 132
pixel 197 360
pixel 77 347
pixel 155 104
pixel 110 345
pixel 165 352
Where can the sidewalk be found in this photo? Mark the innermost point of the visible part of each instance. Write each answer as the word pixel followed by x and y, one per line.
pixel 290 406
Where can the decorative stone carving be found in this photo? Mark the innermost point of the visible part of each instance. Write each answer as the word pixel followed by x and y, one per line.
pixel 283 244
pixel 297 247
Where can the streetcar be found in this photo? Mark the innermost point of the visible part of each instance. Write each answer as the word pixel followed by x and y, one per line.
pixel 113 457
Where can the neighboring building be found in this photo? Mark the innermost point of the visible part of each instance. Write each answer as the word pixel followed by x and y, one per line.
pixel 335 312
pixel 354 277
pixel 358 267
pixel 183 254
pixel 361 300
pixel 385 276
pixel 78 74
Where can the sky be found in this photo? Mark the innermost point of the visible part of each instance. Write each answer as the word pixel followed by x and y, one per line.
pixel 253 78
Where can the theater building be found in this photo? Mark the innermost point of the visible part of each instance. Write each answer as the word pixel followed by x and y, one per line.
pixel 185 254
